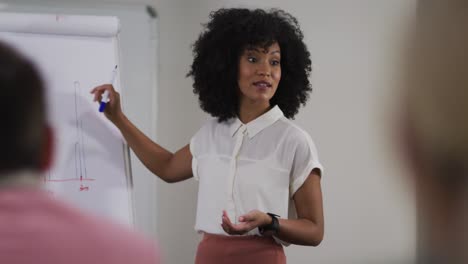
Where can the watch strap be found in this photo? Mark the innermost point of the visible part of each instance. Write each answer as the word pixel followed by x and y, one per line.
pixel 272 228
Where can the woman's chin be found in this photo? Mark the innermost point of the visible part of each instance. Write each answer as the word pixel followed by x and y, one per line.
pixel 261 100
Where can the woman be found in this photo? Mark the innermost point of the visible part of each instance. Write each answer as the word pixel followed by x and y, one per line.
pixel 250 71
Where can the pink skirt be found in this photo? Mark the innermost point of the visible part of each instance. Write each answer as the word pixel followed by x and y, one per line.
pixel 219 249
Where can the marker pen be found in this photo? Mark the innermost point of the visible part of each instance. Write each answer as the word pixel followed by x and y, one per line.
pixel 105 95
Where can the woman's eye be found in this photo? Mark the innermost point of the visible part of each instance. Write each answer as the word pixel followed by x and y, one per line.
pixel 275 62
pixel 251 59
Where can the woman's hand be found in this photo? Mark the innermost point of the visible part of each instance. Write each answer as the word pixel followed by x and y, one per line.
pixel 247 222
pixel 113 110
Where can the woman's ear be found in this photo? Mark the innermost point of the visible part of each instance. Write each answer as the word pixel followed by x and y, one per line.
pixel 47 151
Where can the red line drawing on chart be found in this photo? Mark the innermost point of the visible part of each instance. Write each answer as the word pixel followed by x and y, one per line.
pixel 69 180
pixel 81 174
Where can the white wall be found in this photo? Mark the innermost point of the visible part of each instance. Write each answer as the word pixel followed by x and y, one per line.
pixel 355 48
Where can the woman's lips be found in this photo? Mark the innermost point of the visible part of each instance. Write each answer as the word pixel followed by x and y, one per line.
pixel 262 84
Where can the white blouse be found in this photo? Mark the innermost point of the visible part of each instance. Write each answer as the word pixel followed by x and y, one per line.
pixel 242 167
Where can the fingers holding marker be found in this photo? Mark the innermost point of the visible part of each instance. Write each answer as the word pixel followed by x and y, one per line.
pixel 105 93
pixel 100 90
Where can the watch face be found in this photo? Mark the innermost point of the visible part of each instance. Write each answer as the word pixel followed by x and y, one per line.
pixel 275 225
pixel 272 228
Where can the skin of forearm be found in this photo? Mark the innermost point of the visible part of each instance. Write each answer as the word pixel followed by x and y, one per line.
pixel 152 155
pixel 300 232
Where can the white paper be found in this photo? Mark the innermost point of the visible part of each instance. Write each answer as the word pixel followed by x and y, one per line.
pixel 90 165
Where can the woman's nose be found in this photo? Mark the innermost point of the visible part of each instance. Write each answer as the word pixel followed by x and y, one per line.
pixel 264 69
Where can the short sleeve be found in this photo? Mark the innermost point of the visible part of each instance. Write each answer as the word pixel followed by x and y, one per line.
pixel 304 161
pixel 194 157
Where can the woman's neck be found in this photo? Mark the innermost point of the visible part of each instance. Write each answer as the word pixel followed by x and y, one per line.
pixel 249 112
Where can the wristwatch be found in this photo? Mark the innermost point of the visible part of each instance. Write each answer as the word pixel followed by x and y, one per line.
pixel 272 228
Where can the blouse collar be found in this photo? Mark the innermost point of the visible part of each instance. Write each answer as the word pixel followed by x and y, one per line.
pixel 258 124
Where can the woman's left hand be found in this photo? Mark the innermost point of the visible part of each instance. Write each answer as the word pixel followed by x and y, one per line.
pixel 247 222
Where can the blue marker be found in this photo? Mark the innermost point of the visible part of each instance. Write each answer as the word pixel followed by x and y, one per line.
pixel 105 95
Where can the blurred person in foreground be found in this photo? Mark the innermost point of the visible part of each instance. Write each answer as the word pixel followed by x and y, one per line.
pixel 34 227
pixel 435 122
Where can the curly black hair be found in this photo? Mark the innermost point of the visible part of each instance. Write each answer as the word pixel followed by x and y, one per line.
pixel 219 47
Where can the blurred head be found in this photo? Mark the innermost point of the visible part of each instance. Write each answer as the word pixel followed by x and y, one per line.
pixel 25 137
pixel 436 118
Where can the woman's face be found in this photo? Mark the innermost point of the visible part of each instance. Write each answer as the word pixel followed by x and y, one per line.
pixel 259 74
